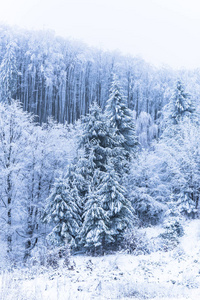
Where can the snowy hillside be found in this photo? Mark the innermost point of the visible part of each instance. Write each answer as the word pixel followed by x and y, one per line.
pixel 99 173
pixel 159 275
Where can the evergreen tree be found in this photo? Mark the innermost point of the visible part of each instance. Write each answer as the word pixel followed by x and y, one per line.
pixel 97 137
pixel 177 110
pixel 106 200
pixel 62 210
pixel 94 149
pixel 182 105
pixel 82 176
pixel 117 206
pixel 121 119
pixel 78 186
pixel 95 234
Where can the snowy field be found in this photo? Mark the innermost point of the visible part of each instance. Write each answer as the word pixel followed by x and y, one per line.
pixel 160 275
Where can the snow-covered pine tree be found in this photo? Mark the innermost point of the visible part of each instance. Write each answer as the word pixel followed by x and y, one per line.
pixel 95 234
pixel 94 150
pixel 61 209
pixel 179 107
pixel 182 105
pixel 77 185
pixel 98 142
pixel 97 136
pixel 117 206
pixel 82 176
pixel 88 178
pixel 121 119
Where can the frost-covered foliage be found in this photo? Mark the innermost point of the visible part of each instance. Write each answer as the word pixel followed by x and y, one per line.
pixel 168 172
pixel 180 142
pixel 97 136
pixel 116 205
pixel 95 234
pixel 182 105
pixel 15 128
pixel 30 158
pixel 173 231
pixel 146 129
pixel 121 119
pixel 148 192
pixel 187 187
pixel 179 107
pixel 8 73
pixel 137 243
pixel 62 210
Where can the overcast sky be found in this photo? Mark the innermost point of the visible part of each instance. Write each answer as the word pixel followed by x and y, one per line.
pixel 160 31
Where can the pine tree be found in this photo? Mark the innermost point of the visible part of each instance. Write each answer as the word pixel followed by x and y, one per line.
pixel 106 196
pixel 62 210
pixel 95 148
pixel 97 136
pixel 179 108
pixel 117 206
pixel 78 186
pixel 182 105
pixel 95 234
pixel 121 119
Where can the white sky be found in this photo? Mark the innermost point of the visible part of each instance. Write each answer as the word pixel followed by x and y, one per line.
pixel 160 31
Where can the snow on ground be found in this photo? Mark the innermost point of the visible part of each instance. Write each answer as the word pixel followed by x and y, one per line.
pixel 159 275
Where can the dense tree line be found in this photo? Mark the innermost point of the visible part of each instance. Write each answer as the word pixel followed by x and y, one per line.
pixel 56 77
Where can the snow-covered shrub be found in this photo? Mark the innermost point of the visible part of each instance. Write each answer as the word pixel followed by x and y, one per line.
pixel 148 210
pixel 137 243
pixel 147 192
pixel 173 227
pixel 173 231
pixel 186 204
pixel 51 257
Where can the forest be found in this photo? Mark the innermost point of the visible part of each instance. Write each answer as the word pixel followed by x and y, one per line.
pixel 93 146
